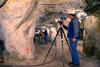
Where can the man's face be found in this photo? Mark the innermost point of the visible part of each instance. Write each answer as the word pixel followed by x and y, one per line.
pixel 71 17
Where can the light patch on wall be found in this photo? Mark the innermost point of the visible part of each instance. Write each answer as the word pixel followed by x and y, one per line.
pixel 98 25
pixel 18 2
pixel 11 1
pixel 53 1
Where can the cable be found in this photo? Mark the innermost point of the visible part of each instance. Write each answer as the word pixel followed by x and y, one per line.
pixel 4 2
pixel 46 62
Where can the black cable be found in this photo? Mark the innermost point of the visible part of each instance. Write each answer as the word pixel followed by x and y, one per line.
pixel 46 62
pixel 52 59
pixel 43 63
pixel 49 61
pixel 4 2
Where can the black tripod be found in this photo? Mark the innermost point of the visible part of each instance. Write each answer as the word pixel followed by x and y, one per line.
pixel 62 33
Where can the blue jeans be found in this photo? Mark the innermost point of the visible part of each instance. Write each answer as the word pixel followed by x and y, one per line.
pixel 73 49
pixel 46 39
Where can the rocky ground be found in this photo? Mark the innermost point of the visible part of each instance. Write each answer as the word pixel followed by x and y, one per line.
pixel 41 51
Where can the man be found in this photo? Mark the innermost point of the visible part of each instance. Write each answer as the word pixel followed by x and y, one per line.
pixel 73 35
pixel 46 36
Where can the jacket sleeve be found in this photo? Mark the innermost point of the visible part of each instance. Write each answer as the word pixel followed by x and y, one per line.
pixel 65 27
pixel 76 28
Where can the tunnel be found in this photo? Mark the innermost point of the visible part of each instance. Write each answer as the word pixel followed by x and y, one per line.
pixel 23 21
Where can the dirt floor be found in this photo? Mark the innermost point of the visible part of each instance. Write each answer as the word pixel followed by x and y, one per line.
pixel 84 60
pixel 41 52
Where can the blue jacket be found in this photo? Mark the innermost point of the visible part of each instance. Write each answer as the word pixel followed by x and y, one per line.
pixel 73 28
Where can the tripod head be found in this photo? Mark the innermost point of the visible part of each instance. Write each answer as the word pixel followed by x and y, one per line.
pixel 60 22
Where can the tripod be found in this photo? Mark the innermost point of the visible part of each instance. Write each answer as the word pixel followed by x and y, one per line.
pixel 61 33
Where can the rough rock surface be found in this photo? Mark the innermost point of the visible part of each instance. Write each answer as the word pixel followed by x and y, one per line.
pixel 91 37
pixel 92 27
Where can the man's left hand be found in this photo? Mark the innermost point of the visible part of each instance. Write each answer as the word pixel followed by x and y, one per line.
pixel 74 39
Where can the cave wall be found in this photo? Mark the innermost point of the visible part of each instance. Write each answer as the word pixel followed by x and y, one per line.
pixel 91 38
pixel 92 29
pixel 17 21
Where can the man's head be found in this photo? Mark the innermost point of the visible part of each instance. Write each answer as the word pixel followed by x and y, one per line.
pixel 71 16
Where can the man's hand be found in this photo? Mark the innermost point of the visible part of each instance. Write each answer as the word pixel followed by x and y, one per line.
pixel 74 39
pixel 61 25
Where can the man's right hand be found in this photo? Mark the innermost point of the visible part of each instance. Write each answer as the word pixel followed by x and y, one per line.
pixel 61 25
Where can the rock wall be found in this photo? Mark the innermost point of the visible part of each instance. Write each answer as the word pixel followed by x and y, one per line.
pixel 92 26
pixel 18 18
pixel 91 37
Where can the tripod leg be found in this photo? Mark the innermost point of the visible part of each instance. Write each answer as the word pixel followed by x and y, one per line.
pixel 66 40
pixel 62 53
pixel 65 36
pixel 51 46
pixel 55 49
pixel 62 47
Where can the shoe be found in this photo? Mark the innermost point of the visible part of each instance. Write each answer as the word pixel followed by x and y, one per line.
pixel 77 65
pixel 70 63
